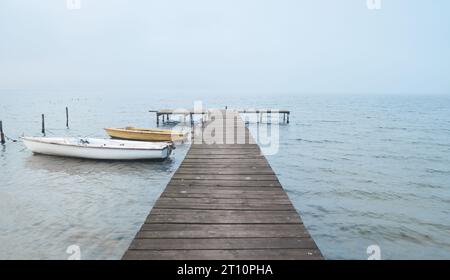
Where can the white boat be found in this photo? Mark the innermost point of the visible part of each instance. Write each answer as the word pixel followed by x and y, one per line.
pixel 92 148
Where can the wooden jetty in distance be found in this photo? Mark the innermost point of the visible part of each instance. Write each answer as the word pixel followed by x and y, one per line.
pixel 224 202
pixel 166 113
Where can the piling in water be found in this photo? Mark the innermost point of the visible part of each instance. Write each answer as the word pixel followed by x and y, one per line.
pixel 67 117
pixel 2 136
pixel 43 124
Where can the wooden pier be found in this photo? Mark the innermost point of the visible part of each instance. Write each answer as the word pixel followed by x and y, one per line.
pixel 165 114
pixel 224 202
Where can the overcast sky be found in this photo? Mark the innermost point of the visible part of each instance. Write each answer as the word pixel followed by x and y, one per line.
pixel 295 46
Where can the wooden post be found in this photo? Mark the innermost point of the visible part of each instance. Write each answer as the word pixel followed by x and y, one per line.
pixel 67 117
pixel 164 118
pixel 284 117
pixel 192 118
pixel 2 136
pixel 157 119
pixel 288 117
pixel 43 124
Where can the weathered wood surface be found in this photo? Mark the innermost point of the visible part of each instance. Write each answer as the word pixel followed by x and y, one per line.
pixel 224 202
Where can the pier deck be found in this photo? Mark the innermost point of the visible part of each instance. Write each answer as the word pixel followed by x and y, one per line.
pixel 166 113
pixel 224 202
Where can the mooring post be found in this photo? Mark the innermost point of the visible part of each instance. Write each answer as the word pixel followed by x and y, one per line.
pixel 67 117
pixel 288 117
pixel 2 136
pixel 157 119
pixel 43 124
pixel 192 118
pixel 164 118
pixel 284 117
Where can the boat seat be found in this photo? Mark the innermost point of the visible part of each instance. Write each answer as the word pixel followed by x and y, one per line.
pixel 84 141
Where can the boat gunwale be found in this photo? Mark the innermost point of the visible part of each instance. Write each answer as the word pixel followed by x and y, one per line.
pixel 91 147
pixel 162 132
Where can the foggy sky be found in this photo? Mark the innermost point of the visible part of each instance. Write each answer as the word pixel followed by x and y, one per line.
pixel 294 46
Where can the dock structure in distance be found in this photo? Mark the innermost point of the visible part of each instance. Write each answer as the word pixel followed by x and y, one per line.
pixel 164 115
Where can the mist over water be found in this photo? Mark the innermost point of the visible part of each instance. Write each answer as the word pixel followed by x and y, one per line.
pixel 360 170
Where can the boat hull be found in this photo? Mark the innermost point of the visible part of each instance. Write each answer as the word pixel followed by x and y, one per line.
pixel 94 152
pixel 142 135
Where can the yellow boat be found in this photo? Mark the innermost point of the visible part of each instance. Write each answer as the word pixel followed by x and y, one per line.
pixel 144 134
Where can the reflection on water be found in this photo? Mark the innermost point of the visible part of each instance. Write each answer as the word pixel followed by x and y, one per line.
pixel 75 166
pixel 360 170
pixel 54 202
pixel 49 203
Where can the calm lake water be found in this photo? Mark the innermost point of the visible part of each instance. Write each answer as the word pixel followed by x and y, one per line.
pixel 360 170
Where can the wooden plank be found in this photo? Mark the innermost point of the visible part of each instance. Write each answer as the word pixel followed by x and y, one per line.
pixel 195 147
pixel 221 217
pixel 215 166
pixel 225 171
pixel 248 152
pixel 232 168
pixel 223 206
pixel 219 153
pixel 208 203
pixel 267 200
pixel 263 254
pixel 235 193
pixel 222 231
pixel 226 177
pixel 222 243
pixel 214 160
pixel 218 165
pixel 224 213
pixel 222 183
pixel 222 195
pixel 225 190
pixel 225 156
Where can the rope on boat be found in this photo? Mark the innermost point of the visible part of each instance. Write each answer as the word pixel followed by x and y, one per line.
pixel 11 139
pixel 50 132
